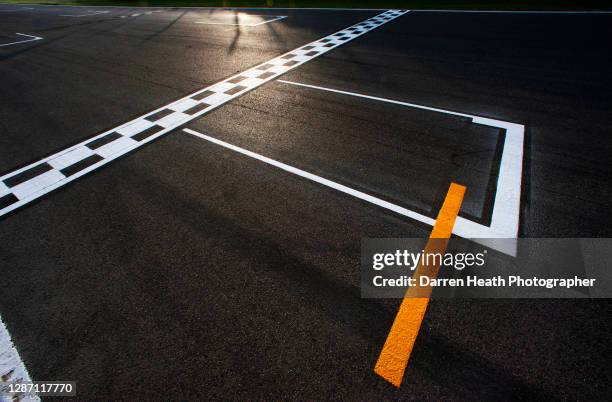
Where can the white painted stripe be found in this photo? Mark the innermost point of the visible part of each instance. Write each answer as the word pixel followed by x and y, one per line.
pixel 32 39
pixel 70 158
pixel 84 15
pixel 4 190
pixel 184 104
pixel 115 147
pixel 279 17
pixel 506 205
pixel 173 120
pixel 131 135
pixel 396 102
pixel 26 189
pixel 332 184
pixel 135 127
pixel 11 365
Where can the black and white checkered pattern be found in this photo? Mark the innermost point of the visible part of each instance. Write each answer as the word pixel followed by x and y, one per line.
pixel 28 183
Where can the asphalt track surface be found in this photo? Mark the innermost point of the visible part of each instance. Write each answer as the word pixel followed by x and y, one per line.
pixel 184 269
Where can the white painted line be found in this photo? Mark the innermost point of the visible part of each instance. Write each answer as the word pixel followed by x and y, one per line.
pixel 332 184
pixel 276 18
pixel 70 158
pixel 39 178
pixel 32 39
pixel 433 109
pixel 280 17
pixel 84 15
pixel 506 205
pixel 11 366
pixel 135 127
pixel 4 190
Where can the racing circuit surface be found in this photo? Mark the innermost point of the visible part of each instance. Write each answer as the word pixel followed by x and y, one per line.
pixel 183 194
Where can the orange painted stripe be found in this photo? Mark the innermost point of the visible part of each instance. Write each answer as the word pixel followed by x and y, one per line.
pixel 394 356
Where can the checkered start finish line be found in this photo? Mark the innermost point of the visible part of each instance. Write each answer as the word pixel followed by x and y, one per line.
pixel 37 179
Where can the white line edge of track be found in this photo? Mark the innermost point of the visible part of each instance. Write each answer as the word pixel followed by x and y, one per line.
pixel 33 38
pixel 31 182
pixel 10 362
pixel 506 205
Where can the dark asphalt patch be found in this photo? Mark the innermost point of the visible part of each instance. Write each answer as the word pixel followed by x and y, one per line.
pixel 235 90
pixel 202 95
pixel 27 174
pixel 77 167
pixel 99 142
pixel 147 133
pixel 159 115
pixel 7 200
pixel 195 109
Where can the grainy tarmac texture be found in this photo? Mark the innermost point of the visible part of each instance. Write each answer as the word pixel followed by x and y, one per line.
pixel 184 269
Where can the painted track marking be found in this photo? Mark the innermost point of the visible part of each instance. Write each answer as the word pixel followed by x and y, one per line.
pixel 507 202
pixel 396 352
pixel 318 179
pixel 28 183
pixel 32 39
pixel 11 365
pixel 276 18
